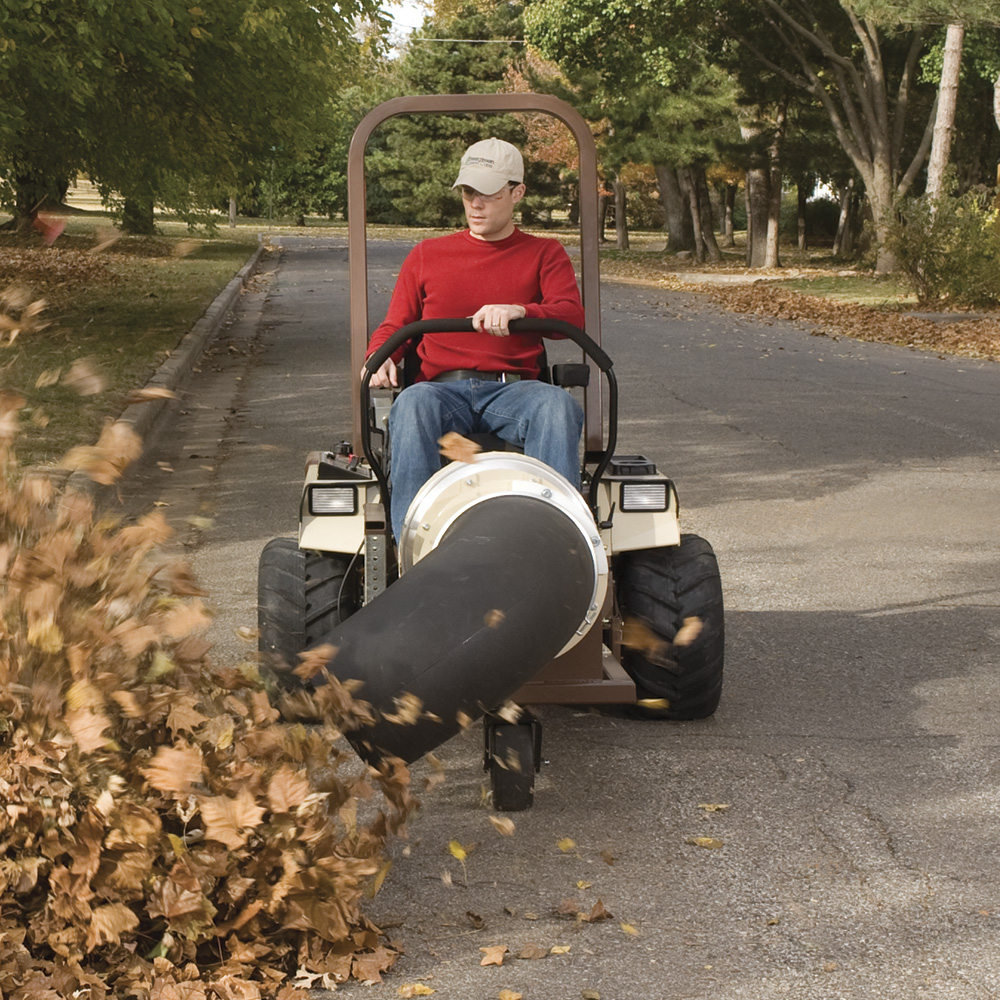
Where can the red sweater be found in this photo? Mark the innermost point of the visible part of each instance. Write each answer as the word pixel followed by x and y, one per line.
pixel 453 276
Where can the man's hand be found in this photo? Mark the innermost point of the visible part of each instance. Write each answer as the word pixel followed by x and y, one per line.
pixel 495 319
pixel 385 378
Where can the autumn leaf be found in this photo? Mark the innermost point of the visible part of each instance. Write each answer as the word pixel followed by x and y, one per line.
pixel 408 990
pixel 408 709
pixel 532 952
pixel 709 843
pixel 174 769
pixel 640 637
pixel 688 632
pixel 84 377
pixel 149 394
pixel 504 826
pixel 493 954
pixel 560 949
pixel 629 930
pixel 87 728
pixel 230 821
pixel 713 807
pixel 456 448
pixel 506 994
pixel 494 618
pixel 108 923
pixel 287 789
pixel 566 844
pixel 598 912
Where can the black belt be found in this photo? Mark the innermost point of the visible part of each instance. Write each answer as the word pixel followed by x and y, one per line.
pixel 460 374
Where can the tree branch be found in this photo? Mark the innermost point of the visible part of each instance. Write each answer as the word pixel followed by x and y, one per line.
pixel 921 154
pixel 903 97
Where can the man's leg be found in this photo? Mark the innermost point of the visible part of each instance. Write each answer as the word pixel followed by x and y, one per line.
pixel 543 419
pixel 419 416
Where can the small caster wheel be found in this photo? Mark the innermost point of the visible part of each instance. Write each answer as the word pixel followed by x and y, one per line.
pixel 513 755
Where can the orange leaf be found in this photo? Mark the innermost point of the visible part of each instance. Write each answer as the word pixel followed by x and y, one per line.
pixel 174 769
pixel 108 923
pixel 457 448
pixel 493 955
pixel 287 790
pixel 230 821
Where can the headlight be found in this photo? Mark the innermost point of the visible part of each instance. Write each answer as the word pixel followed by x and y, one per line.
pixel 333 500
pixel 644 496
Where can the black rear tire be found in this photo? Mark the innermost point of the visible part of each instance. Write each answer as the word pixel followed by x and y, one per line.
pixel 301 597
pixel 661 588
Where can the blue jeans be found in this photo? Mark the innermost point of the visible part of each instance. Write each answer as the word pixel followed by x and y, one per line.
pixel 544 420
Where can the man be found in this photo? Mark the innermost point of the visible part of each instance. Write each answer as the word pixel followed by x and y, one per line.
pixel 485 381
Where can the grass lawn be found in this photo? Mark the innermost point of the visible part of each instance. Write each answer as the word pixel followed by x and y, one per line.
pixel 117 312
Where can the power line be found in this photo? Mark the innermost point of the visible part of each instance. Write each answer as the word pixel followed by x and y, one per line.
pixel 473 41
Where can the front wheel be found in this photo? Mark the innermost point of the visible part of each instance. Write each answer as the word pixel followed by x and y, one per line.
pixel 301 597
pixel 660 591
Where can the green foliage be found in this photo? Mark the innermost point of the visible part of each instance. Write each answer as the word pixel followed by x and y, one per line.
pixel 160 100
pixel 948 249
pixel 643 67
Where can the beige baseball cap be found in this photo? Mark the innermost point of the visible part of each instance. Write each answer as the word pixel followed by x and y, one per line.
pixel 490 165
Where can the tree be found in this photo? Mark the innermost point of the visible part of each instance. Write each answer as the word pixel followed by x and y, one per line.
pixel 413 159
pixel 944 122
pixel 152 95
pixel 665 105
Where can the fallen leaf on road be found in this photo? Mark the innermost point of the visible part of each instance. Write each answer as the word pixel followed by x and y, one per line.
pixel 503 825
pixel 566 844
pixel 560 949
pixel 408 990
pixel 714 807
pixel 629 930
pixel 509 995
pixel 709 843
pixel 493 955
pixel 532 952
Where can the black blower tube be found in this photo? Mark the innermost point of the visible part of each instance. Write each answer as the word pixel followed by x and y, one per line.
pixel 505 589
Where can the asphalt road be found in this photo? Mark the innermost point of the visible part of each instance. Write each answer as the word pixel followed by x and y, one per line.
pixel 850 490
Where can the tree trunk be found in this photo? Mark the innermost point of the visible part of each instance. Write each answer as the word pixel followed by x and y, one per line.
pixel 774 177
pixel 944 121
pixel 232 212
pixel 705 222
pixel 757 206
pixel 728 238
pixel 843 242
pixel 996 118
pixel 680 235
pixel 621 214
pixel 802 188
pixel 604 199
pixel 137 216
pixel 690 192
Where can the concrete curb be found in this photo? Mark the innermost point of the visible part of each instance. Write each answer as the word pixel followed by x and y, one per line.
pixel 175 370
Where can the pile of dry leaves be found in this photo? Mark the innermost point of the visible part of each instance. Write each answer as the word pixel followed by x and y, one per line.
pixel 54 270
pixel 978 338
pixel 165 832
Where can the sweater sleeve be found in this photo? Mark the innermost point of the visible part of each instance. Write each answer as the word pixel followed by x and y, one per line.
pixel 560 297
pixel 405 306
